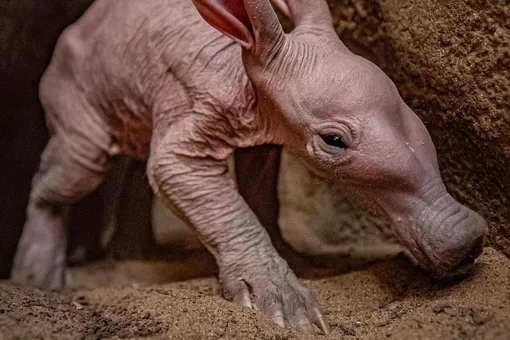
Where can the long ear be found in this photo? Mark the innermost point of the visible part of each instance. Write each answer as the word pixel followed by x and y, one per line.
pixel 250 23
pixel 306 12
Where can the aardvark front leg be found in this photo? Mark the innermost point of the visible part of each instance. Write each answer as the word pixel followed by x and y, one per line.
pixel 193 179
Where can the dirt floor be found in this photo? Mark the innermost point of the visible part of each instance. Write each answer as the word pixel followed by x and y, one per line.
pixel 388 300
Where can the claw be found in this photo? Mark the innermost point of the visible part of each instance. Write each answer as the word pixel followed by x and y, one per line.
pixel 243 298
pixel 278 294
pixel 321 322
pixel 276 314
pixel 305 327
pixel 301 322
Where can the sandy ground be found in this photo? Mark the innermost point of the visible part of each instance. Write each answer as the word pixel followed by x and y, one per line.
pixel 389 300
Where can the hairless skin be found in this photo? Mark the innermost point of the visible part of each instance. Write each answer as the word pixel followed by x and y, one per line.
pixel 153 79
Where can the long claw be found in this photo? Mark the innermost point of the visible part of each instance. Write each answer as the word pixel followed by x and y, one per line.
pixel 321 322
pixel 243 299
pixel 301 322
pixel 305 326
pixel 276 314
pixel 278 294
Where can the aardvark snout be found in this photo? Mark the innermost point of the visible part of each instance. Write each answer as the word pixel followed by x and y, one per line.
pixel 453 238
pixel 470 246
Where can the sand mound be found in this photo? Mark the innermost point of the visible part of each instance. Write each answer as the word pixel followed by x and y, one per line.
pixel 388 300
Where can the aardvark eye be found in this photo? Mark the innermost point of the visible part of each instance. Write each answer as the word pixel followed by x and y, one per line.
pixel 334 140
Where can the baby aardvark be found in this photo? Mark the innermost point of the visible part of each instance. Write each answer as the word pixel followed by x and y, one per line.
pixel 152 79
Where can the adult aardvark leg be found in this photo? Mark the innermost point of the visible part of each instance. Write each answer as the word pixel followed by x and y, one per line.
pixel 189 172
pixel 70 168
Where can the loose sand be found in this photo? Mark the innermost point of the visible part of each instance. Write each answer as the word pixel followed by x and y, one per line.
pixel 388 300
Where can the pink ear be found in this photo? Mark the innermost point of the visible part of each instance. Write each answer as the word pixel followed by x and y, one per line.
pixel 229 17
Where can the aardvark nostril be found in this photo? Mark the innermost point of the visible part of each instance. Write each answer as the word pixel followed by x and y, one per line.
pixel 473 252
